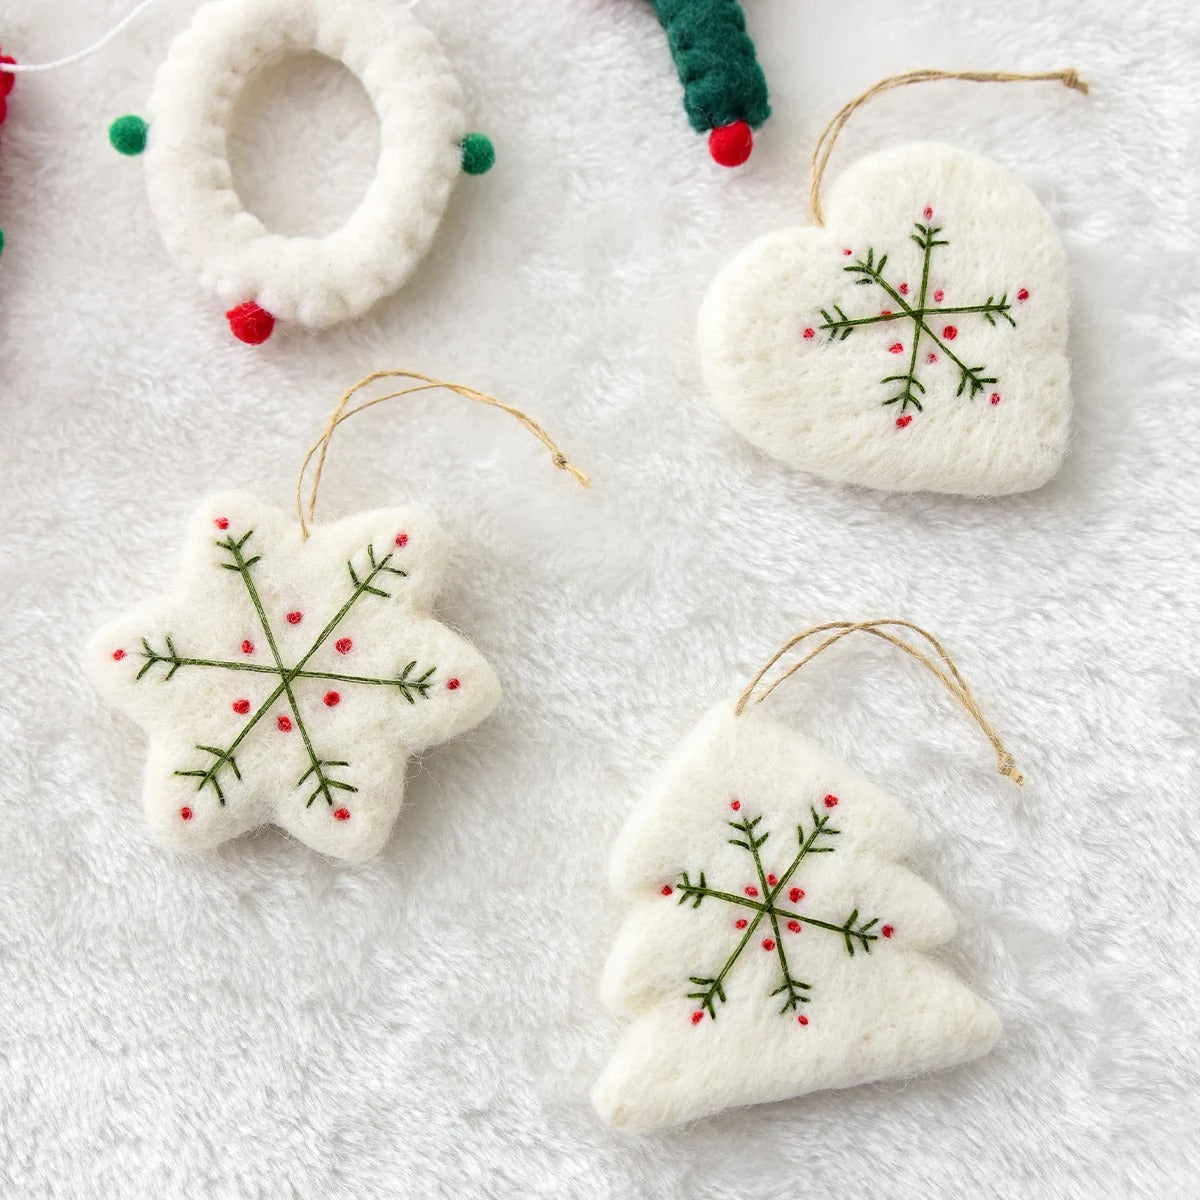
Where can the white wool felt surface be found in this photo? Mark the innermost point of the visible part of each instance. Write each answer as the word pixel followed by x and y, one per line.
pixel 259 1019
pixel 990 390
pixel 884 1010
pixel 285 681
pixel 419 104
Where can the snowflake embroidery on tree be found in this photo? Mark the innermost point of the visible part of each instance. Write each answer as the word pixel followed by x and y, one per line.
pixel 923 315
pixel 773 901
pixel 276 724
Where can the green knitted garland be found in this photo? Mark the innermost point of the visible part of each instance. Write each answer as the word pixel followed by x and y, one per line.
pixel 723 85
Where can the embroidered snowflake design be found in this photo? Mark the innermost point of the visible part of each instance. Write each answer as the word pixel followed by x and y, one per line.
pixel 322 773
pixel 773 899
pixel 924 318
pixel 289 680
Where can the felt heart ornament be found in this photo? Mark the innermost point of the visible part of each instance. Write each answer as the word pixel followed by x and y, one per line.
pixel 295 667
pixel 917 342
pixel 774 944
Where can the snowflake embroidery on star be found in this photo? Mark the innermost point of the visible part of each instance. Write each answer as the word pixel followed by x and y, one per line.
pixel 768 912
pixel 289 680
pixel 922 323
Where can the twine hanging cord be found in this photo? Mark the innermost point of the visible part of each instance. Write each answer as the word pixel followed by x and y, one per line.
pixel 424 383
pixel 829 136
pixel 947 672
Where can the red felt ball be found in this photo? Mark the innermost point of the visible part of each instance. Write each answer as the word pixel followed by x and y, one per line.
pixel 250 323
pixel 7 78
pixel 730 145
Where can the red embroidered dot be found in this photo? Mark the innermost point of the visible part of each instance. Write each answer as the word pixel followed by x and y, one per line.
pixel 342 814
pixel 241 706
pixel 247 647
pixel 1023 295
pixel 343 645
pixel 831 801
pixel 888 930
pixel 847 252
pixel 741 923
pixel 768 944
pixel 185 813
pixel 887 312
pixel 803 1020
pixel 950 333
pixel 118 655
pixel 697 1017
pixel 904 422
pixel 453 684
pixel 285 724
pixel 810 333
pixel 995 398
pixel 904 289
pixel 929 214
pixel 294 618
pixel 402 539
pixel 222 522
pixel 332 699
pixel 938 297
pixel 931 358
pixel 795 926
pixel 750 890
pixel 735 805
pixel 896 348
pixel 772 880
pixel 667 889
pixel 796 895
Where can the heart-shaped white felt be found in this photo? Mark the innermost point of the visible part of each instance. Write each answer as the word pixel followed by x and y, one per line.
pixel 916 342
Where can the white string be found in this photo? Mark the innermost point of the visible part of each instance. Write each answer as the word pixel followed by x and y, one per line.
pixel 79 55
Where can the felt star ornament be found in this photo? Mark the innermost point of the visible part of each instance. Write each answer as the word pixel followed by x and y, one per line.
pixel 285 681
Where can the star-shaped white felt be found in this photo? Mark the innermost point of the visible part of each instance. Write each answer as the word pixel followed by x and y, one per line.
pixel 286 681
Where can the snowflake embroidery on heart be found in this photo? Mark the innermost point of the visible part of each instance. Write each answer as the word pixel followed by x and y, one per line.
pixel 924 317
pixel 764 899
pixel 281 683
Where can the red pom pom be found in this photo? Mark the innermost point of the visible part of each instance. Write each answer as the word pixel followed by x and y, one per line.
pixel 250 323
pixel 7 78
pixel 730 145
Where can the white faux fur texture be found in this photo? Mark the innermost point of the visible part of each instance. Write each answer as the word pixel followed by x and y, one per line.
pixel 260 1021
pixel 774 946
pixel 287 681
pixel 417 99
pixel 918 341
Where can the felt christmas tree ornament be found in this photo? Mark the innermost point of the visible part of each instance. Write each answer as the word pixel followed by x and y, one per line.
pixel 914 336
pixel 263 277
pixel 724 89
pixel 294 668
pixel 774 945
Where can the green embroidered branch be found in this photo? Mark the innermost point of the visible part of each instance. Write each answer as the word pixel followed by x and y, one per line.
pixel 320 770
pixel 911 390
pixel 795 991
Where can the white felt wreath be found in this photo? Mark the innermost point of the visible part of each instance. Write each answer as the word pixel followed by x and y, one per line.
pixel 316 282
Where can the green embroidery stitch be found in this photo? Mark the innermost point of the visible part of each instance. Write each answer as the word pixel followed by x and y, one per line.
pixel 321 772
pixel 910 388
pixel 765 906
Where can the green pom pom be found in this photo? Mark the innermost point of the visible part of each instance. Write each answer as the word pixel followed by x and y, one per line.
pixel 478 154
pixel 128 134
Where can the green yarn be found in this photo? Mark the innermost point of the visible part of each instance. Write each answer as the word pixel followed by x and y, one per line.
pixel 716 61
pixel 128 134
pixel 478 154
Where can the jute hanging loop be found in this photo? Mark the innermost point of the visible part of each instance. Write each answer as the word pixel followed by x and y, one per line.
pixel 947 673
pixel 342 412
pixel 829 136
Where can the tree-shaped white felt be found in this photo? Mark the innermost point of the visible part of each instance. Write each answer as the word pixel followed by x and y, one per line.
pixel 286 681
pixel 774 947
pixel 917 341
